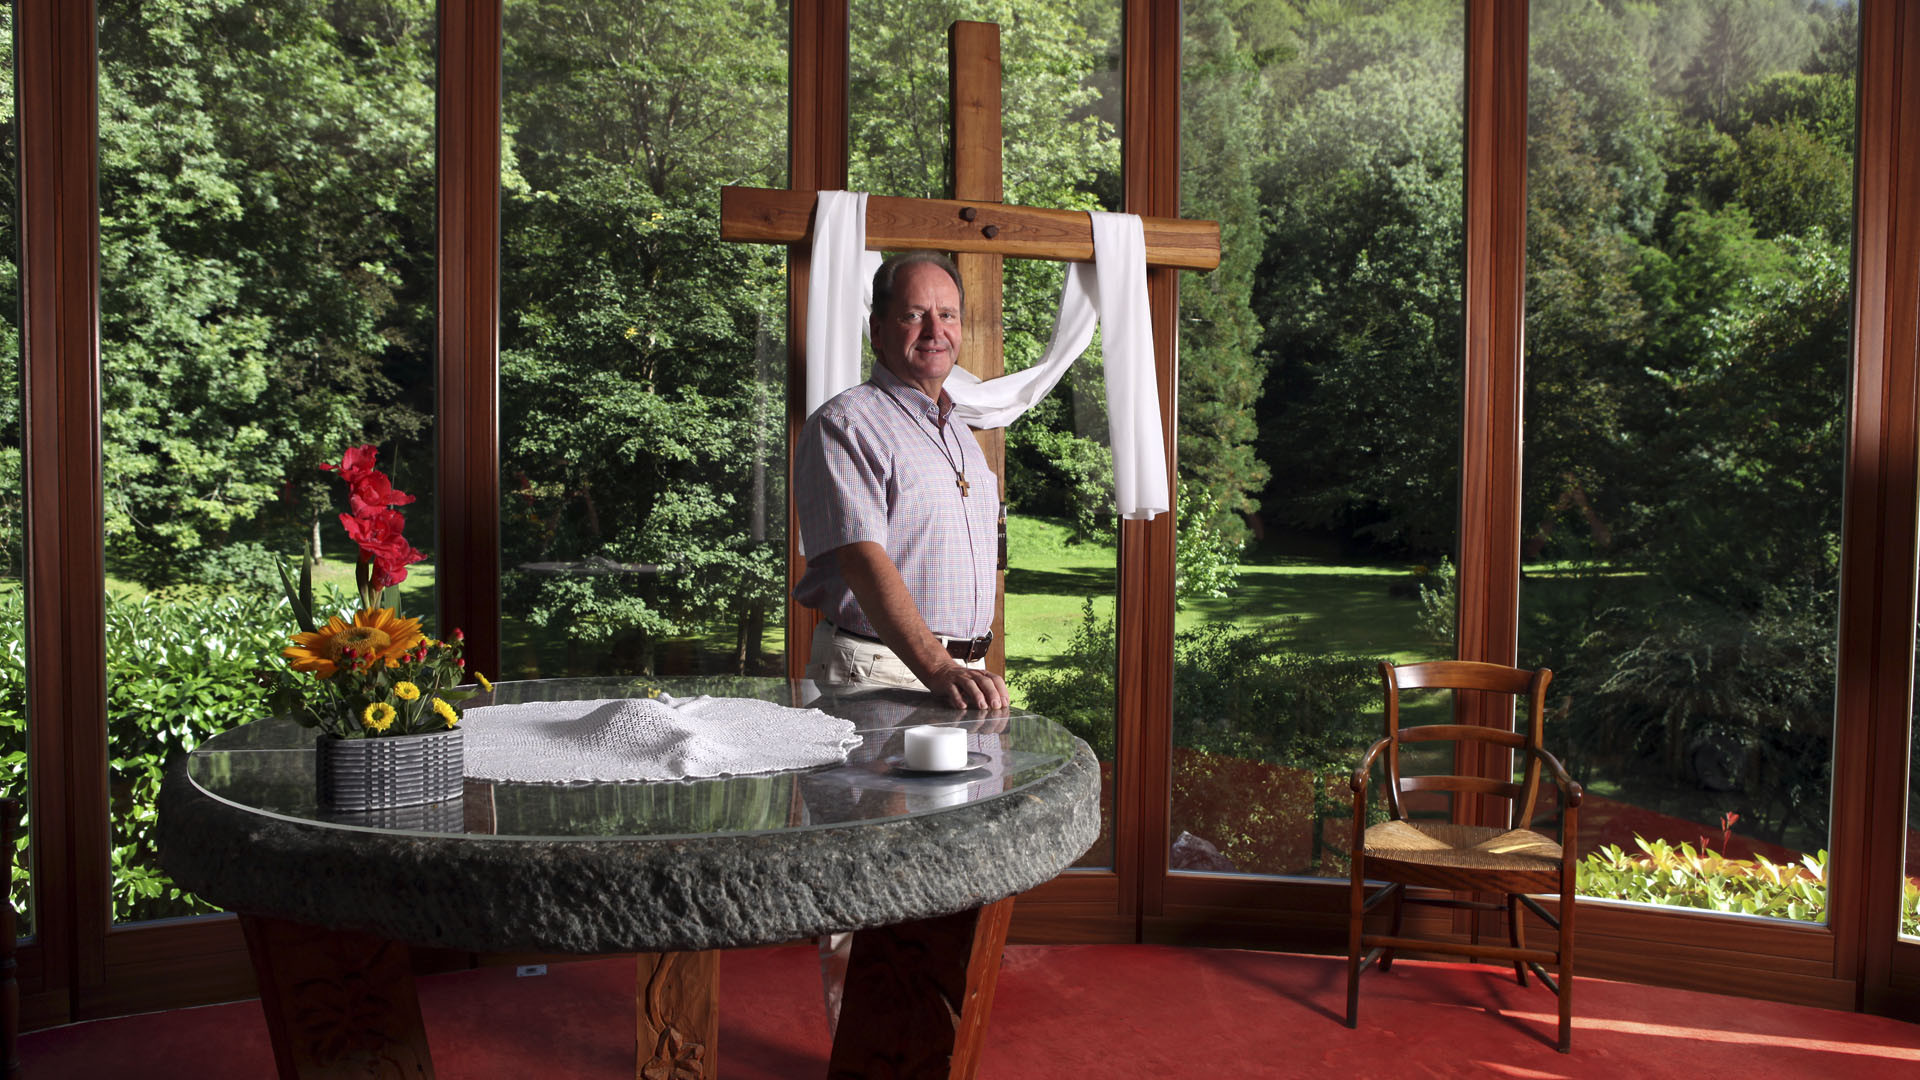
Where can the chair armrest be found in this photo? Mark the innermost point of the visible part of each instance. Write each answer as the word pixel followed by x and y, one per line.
pixel 1359 779
pixel 1570 790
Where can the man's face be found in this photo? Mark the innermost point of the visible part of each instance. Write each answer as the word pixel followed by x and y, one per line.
pixel 918 338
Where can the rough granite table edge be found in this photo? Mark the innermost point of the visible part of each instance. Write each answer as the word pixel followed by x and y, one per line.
pixel 490 894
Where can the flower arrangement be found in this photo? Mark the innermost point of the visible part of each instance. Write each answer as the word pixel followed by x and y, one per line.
pixel 376 674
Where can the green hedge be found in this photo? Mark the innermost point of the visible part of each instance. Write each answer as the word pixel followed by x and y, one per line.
pixel 1678 876
pixel 180 668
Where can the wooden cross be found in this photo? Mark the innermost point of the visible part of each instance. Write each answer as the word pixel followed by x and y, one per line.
pixel 979 229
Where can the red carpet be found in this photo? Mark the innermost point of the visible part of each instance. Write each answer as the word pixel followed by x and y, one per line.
pixel 1065 1012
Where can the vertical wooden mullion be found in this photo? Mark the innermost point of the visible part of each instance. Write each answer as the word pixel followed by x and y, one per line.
pixel 1150 173
pixel 1495 302
pixel 973 99
pixel 817 160
pixel 1878 539
pixel 467 439
pixel 66 615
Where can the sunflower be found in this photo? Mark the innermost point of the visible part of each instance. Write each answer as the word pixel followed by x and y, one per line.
pixel 406 691
pixel 378 716
pixel 379 634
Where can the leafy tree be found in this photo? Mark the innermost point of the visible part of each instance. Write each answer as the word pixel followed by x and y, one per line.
pixel 637 350
pixel 1358 290
pixel 1221 366
pixel 266 187
pixel 12 563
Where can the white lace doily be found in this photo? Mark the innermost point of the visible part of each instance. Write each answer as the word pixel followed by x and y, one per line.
pixel 648 739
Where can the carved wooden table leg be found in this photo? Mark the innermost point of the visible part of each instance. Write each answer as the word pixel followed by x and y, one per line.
pixel 338 1003
pixel 918 995
pixel 678 1015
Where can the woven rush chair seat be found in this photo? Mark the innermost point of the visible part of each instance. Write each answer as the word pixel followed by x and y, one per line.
pixel 1515 854
pixel 1474 847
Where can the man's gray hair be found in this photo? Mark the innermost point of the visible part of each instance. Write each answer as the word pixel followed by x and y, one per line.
pixel 883 277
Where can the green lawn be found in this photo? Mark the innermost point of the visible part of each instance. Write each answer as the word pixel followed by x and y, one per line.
pixel 416 593
pixel 1344 607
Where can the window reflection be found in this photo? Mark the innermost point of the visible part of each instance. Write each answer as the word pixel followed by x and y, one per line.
pixel 13 651
pixel 1060 112
pixel 266 230
pixel 642 366
pixel 1688 245
pixel 1319 406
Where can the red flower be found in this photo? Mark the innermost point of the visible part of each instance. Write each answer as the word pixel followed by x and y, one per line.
pixel 371 522
pixel 355 464
pixel 377 531
pixel 374 492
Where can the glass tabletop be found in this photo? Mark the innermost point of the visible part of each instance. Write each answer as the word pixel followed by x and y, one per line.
pixel 267 767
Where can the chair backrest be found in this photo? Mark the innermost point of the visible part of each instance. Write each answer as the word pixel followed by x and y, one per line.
pixel 1469 675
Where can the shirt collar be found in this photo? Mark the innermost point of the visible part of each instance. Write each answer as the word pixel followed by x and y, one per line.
pixel 912 395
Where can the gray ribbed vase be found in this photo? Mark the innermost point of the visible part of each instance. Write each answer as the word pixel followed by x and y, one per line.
pixel 382 773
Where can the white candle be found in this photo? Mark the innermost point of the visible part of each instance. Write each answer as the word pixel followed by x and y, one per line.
pixel 936 749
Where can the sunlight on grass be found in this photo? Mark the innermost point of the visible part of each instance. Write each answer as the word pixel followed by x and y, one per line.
pixel 1369 608
pixel 416 593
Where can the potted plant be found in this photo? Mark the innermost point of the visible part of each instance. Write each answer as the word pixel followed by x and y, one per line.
pixel 382 693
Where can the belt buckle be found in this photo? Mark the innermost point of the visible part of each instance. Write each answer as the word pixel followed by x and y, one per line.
pixel 977 648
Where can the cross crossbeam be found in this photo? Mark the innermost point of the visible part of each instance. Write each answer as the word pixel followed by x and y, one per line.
pixel 773 216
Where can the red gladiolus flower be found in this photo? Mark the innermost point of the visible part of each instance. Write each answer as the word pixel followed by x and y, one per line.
pixel 355 463
pixel 371 522
pixel 377 531
pixel 375 492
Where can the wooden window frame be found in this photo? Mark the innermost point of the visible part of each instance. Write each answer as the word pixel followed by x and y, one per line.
pixel 78 966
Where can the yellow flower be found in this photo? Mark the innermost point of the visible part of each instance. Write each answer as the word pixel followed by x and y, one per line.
pixel 484 684
pixel 446 712
pixel 378 634
pixel 406 691
pixel 378 716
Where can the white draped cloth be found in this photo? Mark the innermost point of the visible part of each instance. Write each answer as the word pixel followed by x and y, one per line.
pixel 1111 290
pixel 631 739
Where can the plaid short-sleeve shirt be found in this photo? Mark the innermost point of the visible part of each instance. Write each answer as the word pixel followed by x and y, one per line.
pixel 876 464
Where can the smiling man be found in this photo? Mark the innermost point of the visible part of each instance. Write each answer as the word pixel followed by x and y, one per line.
pixel 899 513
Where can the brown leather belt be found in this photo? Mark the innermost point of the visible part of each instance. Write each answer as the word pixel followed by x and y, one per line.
pixel 964 650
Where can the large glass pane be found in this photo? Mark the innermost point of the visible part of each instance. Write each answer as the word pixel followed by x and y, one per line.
pixel 642 368
pixel 1319 410
pixel 13 624
pixel 1060 112
pixel 1688 244
pixel 266 235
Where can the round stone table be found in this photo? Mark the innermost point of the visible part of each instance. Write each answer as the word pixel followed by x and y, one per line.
pixel 923 868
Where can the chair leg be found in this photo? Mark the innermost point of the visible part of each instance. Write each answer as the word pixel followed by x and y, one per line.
pixel 1355 901
pixel 1516 935
pixel 1566 972
pixel 1399 914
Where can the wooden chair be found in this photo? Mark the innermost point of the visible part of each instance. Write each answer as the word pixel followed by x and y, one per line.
pixel 1515 861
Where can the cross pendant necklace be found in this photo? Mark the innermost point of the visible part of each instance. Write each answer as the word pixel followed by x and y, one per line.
pixel 939 440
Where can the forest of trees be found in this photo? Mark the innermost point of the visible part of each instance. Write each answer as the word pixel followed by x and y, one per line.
pixel 1688 244
pixel 267 223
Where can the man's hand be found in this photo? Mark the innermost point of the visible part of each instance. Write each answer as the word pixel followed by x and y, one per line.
pixel 967 688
